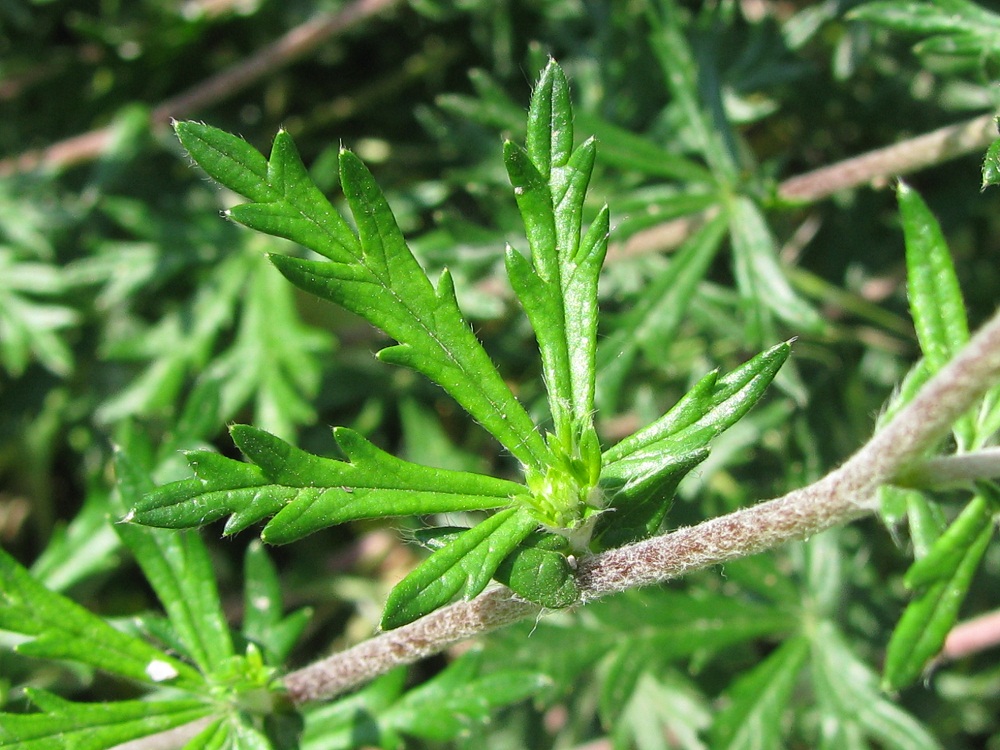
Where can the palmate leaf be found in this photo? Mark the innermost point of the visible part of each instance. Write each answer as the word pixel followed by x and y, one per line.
pixel 305 492
pixel 373 274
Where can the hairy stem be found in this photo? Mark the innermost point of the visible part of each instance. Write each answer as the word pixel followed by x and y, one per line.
pixel 843 495
pixel 901 158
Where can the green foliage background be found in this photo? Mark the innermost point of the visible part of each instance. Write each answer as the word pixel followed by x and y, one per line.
pixel 132 316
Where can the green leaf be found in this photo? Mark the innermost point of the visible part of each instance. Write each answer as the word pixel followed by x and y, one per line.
pixel 640 489
pixel 446 707
pixel 558 290
pixel 264 622
pixel 680 624
pixel 354 720
pixel 227 159
pixel 936 303
pixel 181 342
pixel 62 629
pixel 460 569
pixel 646 632
pixel 620 147
pixel 641 473
pixel 93 726
pixel 86 546
pixel 756 702
pixel 32 323
pixel 709 408
pixel 763 284
pixel 178 567
pixel 943 559
pixel 284 352
pixel 712 134
pixel 215 736
pixel 306 492
pixel 939 16
pixel 848 690
pixel 925 623
pixel 663 712
pixel 460 697
pixel 991 165
pixel 539 571
pixel 373 275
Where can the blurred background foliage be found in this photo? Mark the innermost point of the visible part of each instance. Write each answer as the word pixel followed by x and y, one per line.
pixel 131 314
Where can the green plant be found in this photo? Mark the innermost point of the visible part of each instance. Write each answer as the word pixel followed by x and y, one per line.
pixel 571 492
pixel 560 521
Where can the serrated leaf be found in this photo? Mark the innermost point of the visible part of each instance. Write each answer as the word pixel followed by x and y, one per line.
pixel 306 492
pixel 62 629
pixel 229 160
pixel 756 702
pixel 848 689
pixel 925 623
pixel 460 569
pixel 373 275
pixel 713 405
pixel 93 726
pixel 558 290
